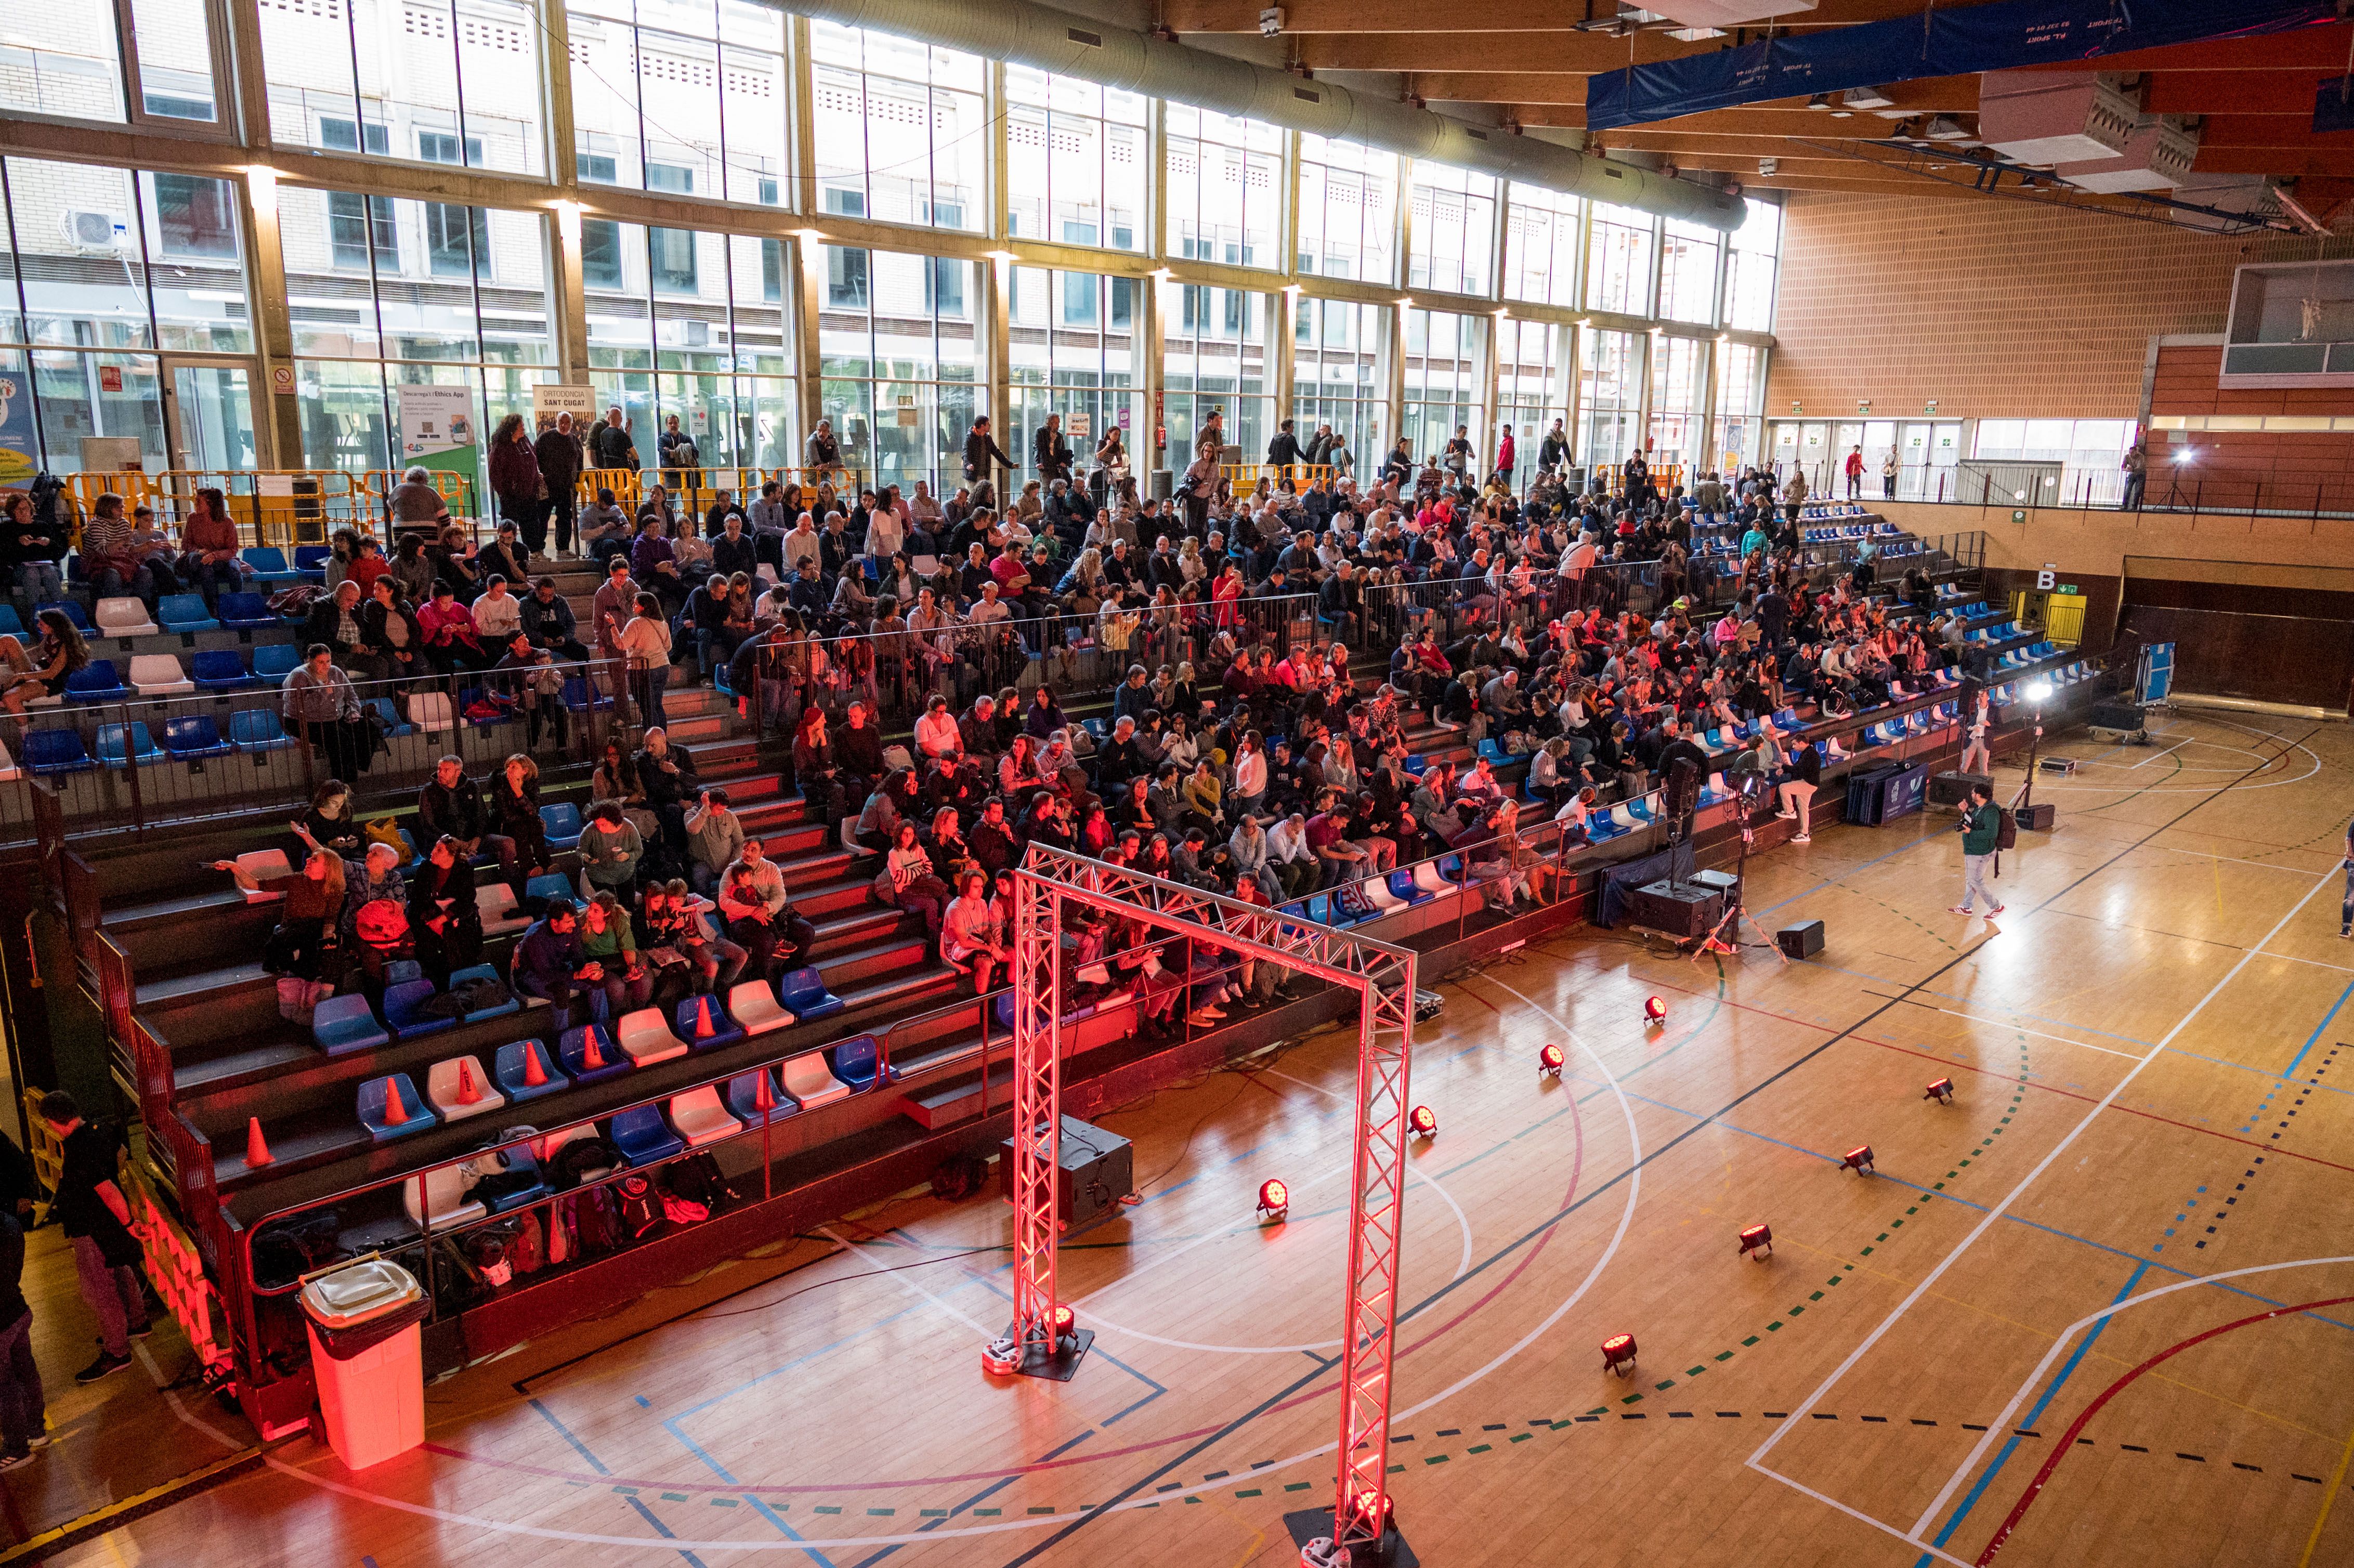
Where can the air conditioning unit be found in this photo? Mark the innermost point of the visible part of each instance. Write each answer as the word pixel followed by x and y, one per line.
pixel 2054 116
pixel 2156 157
pixel 1722 14
pixel 93 232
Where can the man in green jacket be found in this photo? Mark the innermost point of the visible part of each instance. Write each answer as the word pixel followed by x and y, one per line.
pixel 1980 824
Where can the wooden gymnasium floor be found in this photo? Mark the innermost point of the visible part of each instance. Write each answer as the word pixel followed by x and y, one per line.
pixel 2152 1114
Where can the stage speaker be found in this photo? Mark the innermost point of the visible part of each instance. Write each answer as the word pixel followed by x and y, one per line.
pixel 1099 1170
pixel 1952 789
pixel 1801 941
pixel 1682 909
pixel 1683 790
pixel 1722 882
pixel 2036 819
pixel 2115 716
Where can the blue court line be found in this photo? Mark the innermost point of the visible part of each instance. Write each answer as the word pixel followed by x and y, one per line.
pixel 664 1530
pixel 596 1465
pixel 1851 871
pixel 977 1497
pixel 1097 1349
pixel 2315 1037
pixel 759 1504
pixel 2011 1444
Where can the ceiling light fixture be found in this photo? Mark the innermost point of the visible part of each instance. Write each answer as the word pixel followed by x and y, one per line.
pixel 1820 101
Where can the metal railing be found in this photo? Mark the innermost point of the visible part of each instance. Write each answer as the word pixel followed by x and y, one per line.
pixel 283 507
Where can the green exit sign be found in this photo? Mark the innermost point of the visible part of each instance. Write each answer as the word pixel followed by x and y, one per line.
pixel 2019 516
pixel 2065 588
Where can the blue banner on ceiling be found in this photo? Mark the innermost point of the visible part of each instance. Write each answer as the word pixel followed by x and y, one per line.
pixel 2003 36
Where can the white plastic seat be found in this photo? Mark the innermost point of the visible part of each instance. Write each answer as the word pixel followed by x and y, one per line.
pixel 263 865
pixel 1377 893
pixel 700 1119
pixel 445 1086
pixel 809 1080
pixel 1716 784
pixel 495 903
pixel 924 565
pixel 123 616
pixel 1426 877
pixel 850 836
pixel 445 1198
pixel 158 675
pixel 9 772
pixel 645 1038
pixel 1623 817
pixel 754 1005
pixel 430 712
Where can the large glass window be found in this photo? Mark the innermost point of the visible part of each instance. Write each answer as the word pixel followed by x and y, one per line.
pixel 66 60
pixel 384 293
pixel 1075 160
pixel 1348 210
pixel 1740 402
pixel 1618 261
pixel 419 79
pixel 1542 230
pixel 681 96
pixel 1679 386
pixel 1688 255
pixel 1072 347
pixel 1214 357
pixel 1225 188
pixel 2088 450
pixel 1339 376
pixel 1610 395
pixel 901 137
pixel 898 356
pixel 116 266
pixel 1531 390
pixel 1442 381
pixel 1452 230
pixel 1749 272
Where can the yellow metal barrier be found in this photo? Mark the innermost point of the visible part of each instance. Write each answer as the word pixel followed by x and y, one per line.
pixel 1244 476
pixel 270 506
pixel 629 485
pixel 48 1151
pixel 178 1271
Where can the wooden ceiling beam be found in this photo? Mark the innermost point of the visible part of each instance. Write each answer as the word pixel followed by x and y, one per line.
pixel 1505 15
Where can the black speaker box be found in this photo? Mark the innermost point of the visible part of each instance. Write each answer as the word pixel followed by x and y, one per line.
pixel 1952 788
pixel 1801 941
pixel 1679 909
pixel 2035 818
pixel 2115 716
pixel 1099 1170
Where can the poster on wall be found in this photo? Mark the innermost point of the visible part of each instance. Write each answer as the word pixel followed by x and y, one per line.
pixel 437 431
pixel 19 457
pixel 549 398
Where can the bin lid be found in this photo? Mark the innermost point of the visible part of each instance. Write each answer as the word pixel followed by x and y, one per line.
pixel 365 1290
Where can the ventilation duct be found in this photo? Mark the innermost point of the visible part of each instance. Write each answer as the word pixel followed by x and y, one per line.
pixel 1025 34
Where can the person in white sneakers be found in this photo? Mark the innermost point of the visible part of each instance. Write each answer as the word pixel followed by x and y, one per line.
pixel 1798 792
pixel 1980 824
pixel 1976 720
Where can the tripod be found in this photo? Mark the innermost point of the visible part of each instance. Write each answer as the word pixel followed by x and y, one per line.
pixel 1726 938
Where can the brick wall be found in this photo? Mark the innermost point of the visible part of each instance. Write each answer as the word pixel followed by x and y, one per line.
pixel 2314 468
pixel 1994 308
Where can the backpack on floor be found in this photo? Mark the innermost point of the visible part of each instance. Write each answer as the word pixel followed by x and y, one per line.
pixel 641 1208
pixel 525 1252
pixel 594 1221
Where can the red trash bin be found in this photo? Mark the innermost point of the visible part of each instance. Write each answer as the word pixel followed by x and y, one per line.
pixel 367 1360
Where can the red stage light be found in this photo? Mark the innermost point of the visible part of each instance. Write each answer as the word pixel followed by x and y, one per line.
pixel 1274 1198
pixel 1424 1120
pixel 1618 1354
pixel 1374 1508
pixel 1859 1159
pixel 1066 1320
pixel 1758 1241
pixel 1654 1009
pixel 1941 1091
pixel 1550 1060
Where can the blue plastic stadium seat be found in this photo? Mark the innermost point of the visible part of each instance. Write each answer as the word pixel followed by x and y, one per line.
pixel 510 1070
pixel 579 696
pixel 1403 886
pixel 269 568
pixel 184 612
pixel 120 746
pixel 484 972
pixel 1320 908
pixel 720 682
pixel 417 1115
pixel 342 1024
pixel 96 681
pixel 311 560
pixel 401 1004
pixel 688 1014
pixel 802 993
pixel 643 1137
pixel 857 1061
pixel 194 736
pixel 388 716
pixel 515 1194
pixel 562 822
pixel 219 670
pixel 57 750
pixel 743 1097
pixel 257 729
pixel 12 627
pixel 572 1050
pixel 70 609
pixel 245 611
pixel 1418 764
pixel 273 662
pixel 548 886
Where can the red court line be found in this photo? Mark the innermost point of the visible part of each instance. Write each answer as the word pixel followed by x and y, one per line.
pixel 2068 1439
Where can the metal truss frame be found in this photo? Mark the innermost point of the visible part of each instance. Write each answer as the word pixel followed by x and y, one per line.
pixel 1384 977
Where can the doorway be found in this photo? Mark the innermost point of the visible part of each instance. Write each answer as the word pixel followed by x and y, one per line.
pixel 210 425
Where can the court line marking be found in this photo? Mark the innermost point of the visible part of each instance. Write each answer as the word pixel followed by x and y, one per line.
pixel 1996 1023
pixel 1914 1296
pixel 2337 1479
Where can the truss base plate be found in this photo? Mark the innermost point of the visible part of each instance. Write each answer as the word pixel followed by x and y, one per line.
pixel 1392 1553
pixel 1060 1364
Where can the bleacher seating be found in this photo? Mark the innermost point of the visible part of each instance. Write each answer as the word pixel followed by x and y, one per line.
pixel 746 1091
pixel 810 1082
pixel 513 1069
pixel 120 746
pixel 184 613
pixel 258 730
pixel 245 611
pixel 700 1119
pixel 459 1088
pixel 646 1039
pixel 704 1025
pixel 124 617
pixel 273 662
pixel 377 1098
pixel 572 1049
pixel 644 1138
pixel 159 675
pixel 96 681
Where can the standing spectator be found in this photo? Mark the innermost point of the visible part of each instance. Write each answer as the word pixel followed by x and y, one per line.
pixel 21 1407
pixel 1798 791
pixel 821 454
pixel 516 478
pixel 1854 471
pixel 2136 465
pixel 1979 826
pixel 616 603
pixel 981 453
pixel 610 444
pixel 96 1219
pixel 1888 466
pixel 1053 454
pixel 558 452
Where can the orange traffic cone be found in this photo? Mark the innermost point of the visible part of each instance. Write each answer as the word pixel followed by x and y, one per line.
pixel 394 1113
pixel 467 1095
pixel 533 1074
pixel 256 1151
pixel 591 1057
pixel 703 1027
pixel 763 1096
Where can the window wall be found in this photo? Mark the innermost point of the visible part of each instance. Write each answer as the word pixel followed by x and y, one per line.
pixel 1347 211
pixel 1688 257
pixel 1225 188
pixel 1075 161
pixel 1214 357
pixel 1444 361
pixel 680 96
pixel 899 129
pixel 1618 261
pixel 1609 396
pixel 897 354
pixel 1531 391
pixel 1750 265
pixel 1339 374
pixel 1738 437
pixel 1543 231
pixel 72 60
pixel 1678 438
pixel 1071 348
pixel 419 80
pixel 107 271
pixel 1451 231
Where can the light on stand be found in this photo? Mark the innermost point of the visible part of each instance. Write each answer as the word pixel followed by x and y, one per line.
pixel 1274 1199
pixel 1424 1121
pixel 2038 692
pixel 1655 1011
pixel 1550 1060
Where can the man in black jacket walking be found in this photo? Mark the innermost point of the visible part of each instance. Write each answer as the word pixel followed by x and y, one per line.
pixel 981 449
